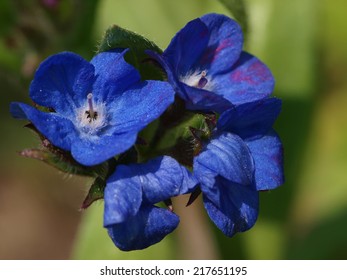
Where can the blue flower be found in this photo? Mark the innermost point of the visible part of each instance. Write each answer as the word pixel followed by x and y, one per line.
pixel 131 217
pixel 98 107
pixel 243 157
pixel 208 69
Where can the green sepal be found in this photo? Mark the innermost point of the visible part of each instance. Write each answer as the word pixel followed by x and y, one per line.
pixel 238 9
pixel 193 196
pixel 169 122
pixel 177 141
pixel 130 156
pixel 188 138
pixel 117 37
pixel 63 162
pixel 95 193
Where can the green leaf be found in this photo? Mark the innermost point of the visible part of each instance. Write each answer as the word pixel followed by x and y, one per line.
pixel 238 9
pixel 95 193
pixel 117 37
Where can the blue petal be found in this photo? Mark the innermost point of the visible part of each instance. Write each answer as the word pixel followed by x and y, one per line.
pixel 163 178
pixel 203 100
pixel 160 178
pixel 62 82
pixel 148 227
pixel 267 153
pixel 113 75
pixel 224 45
pixel 234 209
pixel 140 105
pixel 171 75
pixel 123 197
pixel 95 151
pixel 228 156
pixel 58 130
pixel 187 46
pixel 248 80
pixel 195 98
pixel 251 119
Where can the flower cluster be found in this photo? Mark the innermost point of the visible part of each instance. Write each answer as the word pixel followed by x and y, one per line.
pixel 94 115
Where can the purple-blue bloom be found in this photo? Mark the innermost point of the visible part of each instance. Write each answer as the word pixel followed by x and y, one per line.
pixel 130 216
pixel 243 157
pixel 98 107
pixel 208 69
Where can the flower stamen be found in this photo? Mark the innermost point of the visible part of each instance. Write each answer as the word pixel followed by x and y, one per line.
pixel 202 81
pixel 91 114
pixel 197 79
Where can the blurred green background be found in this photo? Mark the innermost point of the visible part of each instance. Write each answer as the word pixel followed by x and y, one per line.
pixel 304 42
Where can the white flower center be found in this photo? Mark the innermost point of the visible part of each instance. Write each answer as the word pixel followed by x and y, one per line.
pixel 92 117
pixel 198 79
